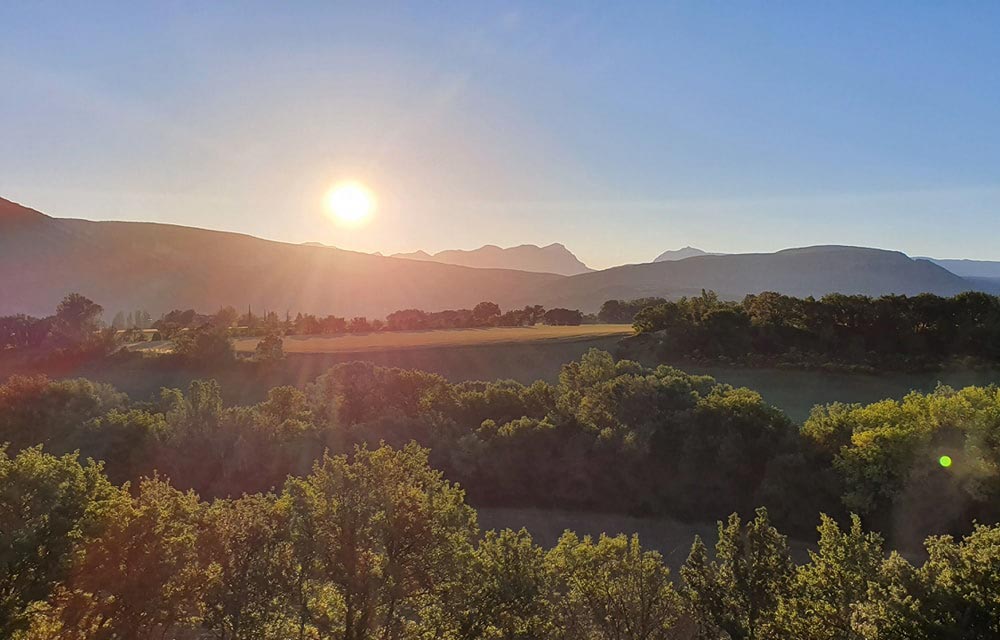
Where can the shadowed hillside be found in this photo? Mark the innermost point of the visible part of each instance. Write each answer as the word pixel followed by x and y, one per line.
pixel 809 271
pixel 161 267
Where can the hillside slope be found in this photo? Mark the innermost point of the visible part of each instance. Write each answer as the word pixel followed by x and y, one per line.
pixel 554 258
pixel 809 271
pixel 158 267
pixel 970 268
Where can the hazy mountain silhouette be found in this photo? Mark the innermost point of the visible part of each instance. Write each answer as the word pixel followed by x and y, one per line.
pixel 159 267
pixel 970 268
pixel 984 275
pixel 808 271
pixel 554 258
pixel 681 254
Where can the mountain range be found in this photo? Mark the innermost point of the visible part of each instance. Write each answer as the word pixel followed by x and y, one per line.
pixel 807 271
pixel 682 254
pixel 553 258
pixel 159 267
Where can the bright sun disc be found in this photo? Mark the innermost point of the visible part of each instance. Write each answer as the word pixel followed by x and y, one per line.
pixel 350 203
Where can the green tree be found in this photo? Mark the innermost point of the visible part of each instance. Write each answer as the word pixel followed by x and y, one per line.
pixel 612 590
pixel 486 313
pixel 826 592
pixel 76 321
pixel 376 537
pixel 48 505
pixel 247 539
pixel 225 317
pixel 954 594
pixel 270 349
pixel 205 346
pixel 144 577
pixel 502 590
pixel 738 592
pixel 36 410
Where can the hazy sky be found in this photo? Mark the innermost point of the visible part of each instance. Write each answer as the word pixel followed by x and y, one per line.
pixel 618 129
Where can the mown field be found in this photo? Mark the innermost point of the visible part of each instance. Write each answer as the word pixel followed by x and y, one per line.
pixel 671 537
pixel 247 383
pixel 523 354
pixel 384 340
pixel 796 392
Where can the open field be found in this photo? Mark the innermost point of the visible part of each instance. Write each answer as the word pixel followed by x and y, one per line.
pixel 536 355
pixel 248 383
pixel 386 340
pixel 671 537
pixel 796 392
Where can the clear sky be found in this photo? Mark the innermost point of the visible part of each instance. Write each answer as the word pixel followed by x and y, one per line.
pixel 618 129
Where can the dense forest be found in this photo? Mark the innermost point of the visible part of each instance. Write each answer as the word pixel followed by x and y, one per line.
pixel 610 435
pixel 839 331
pixel 379 545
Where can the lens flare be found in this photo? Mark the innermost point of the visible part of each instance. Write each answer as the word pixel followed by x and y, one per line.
pixel 945 461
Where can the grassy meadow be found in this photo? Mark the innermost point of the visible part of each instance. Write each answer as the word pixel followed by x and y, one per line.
pixel 796 392
pixel 524 354
pixel 392 340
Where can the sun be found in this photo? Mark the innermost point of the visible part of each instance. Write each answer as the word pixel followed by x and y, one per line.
pixel 350 203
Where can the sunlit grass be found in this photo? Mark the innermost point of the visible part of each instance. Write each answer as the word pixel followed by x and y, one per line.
pixel 387 340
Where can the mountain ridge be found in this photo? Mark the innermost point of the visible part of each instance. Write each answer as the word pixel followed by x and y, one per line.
pixel 798 271
pixel 682 254
pixel 552 258
pixel 159 267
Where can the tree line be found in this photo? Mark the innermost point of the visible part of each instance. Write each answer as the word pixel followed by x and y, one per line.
pixel 847 331
pixel 610 436
pixel 77 323
pixel 484 314
pixel 378 545
pixel 74 326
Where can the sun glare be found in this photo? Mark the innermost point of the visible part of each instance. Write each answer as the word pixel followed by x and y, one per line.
pixel 350 203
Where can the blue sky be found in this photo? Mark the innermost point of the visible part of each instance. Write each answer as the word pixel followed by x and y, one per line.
pixel 618 129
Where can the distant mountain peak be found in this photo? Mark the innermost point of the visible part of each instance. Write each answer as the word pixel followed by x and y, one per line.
pixel 552 258
pixel 682 254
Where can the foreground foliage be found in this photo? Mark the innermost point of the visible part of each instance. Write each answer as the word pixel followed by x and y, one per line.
pixel 379 545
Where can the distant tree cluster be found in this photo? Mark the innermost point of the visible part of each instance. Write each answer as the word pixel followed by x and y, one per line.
pixel 624 311
pixel 74 327
pixel 484 314
pixel 379 545
pixel 875 333
pixel 205 339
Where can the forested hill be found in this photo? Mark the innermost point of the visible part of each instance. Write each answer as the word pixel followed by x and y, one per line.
pixel 160 267
pixel 809 271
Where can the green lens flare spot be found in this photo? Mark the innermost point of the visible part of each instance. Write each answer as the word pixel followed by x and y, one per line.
pixel 945 461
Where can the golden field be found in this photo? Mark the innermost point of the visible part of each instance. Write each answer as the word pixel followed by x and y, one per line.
pixel 388 340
